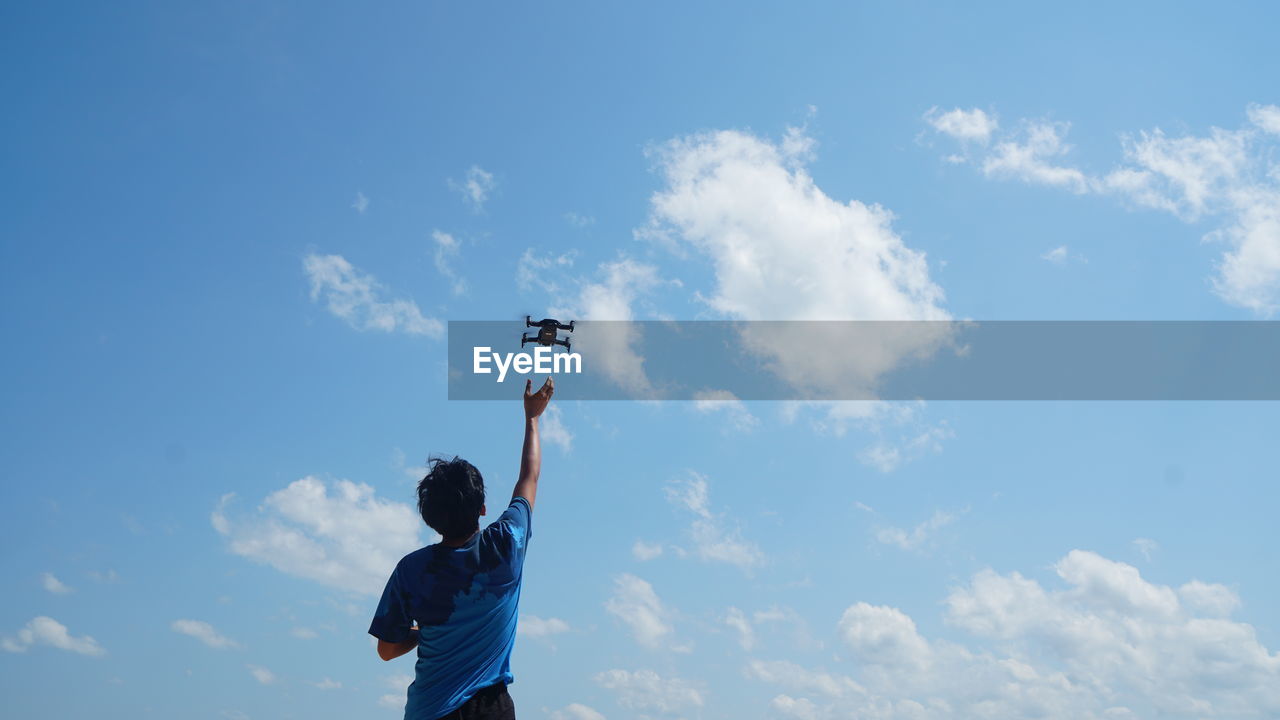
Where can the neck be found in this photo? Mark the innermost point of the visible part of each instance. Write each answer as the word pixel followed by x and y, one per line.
pixel 458 542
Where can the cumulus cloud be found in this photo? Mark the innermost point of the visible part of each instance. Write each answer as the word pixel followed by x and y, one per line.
pixel 647 690
pixel 447 250
pixel 341 535
pixel 204 632
pixel 782 249
pixel 475 187
pixel 577 711
pixel 970 125
pixel 1106 644
pixel 714 538
pixel 635 603
pixel 44 630
pixel 536 627
pixel 1228 176
pixel 357 298
pixel 54 585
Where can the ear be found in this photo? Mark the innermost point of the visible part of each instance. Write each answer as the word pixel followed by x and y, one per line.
pixel 483 510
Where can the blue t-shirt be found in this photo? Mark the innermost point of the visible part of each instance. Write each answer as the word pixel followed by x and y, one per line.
pixel 464 600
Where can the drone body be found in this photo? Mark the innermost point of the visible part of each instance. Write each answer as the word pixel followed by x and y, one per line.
pixel 548 329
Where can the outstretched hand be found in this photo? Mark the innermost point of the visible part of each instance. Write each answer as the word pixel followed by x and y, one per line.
pixel 536 402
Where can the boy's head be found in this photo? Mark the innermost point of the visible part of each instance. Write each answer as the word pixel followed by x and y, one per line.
pixel 451 497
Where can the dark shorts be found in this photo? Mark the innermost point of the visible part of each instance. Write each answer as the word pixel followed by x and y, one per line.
pixel 491 703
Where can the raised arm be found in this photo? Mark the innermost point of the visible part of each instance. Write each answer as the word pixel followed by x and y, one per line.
pixel 531 455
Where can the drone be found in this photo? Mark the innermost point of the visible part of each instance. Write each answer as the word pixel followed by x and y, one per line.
pixel 547 329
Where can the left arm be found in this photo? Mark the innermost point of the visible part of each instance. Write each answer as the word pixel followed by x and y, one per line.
pixel 391 651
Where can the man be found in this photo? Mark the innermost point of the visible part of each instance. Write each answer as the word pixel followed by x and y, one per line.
pixel 463 591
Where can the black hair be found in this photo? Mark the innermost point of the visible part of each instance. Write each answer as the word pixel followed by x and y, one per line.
pixel 450 497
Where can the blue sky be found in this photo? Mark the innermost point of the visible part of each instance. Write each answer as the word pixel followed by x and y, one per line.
pixel 231 233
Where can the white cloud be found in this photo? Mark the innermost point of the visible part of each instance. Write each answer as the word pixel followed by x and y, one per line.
pixel 536 627
pixel 577 711
pixel 888 455
pixel 647 690
pixel 356 297
pixel 54 585
pixel 203 632
pixel 918 536
pixel 781 249
pixel 1266 117
pixel 799 708
pixel 304 633
pixel 1029 159
pixel 1209 598
pixel 361 203
pixel 578 219
pixel 722 401
pixel 713 539
pixel 44 630
pixel 636 604
pixel 1146 546
pixel 801 679
pixel 447 250
pixel 342 535
pixel 395 702
pixel 1231 176
pixel 552 429
pixel 1107 645
pixel 1057 255
pixel 475 187
pixel 737 620
pixel 968 125
pixel 543 272
pixel 108 576
pixel 612 345
pixel 644 551
pixel 261 674
pixel 327 684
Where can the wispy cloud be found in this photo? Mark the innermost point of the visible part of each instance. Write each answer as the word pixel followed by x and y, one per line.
pixel 553 430
pixel 448 250
pixel 261 674
pixel 361 203
pixel 204 632
pixel 475 187
pixel 1230 176
pixel 54 585
pixel 714 540
pixel 357 298
pixel 917 537
pixel 536 627
pixel 635 603
pixel 44 630
pixel 647 690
